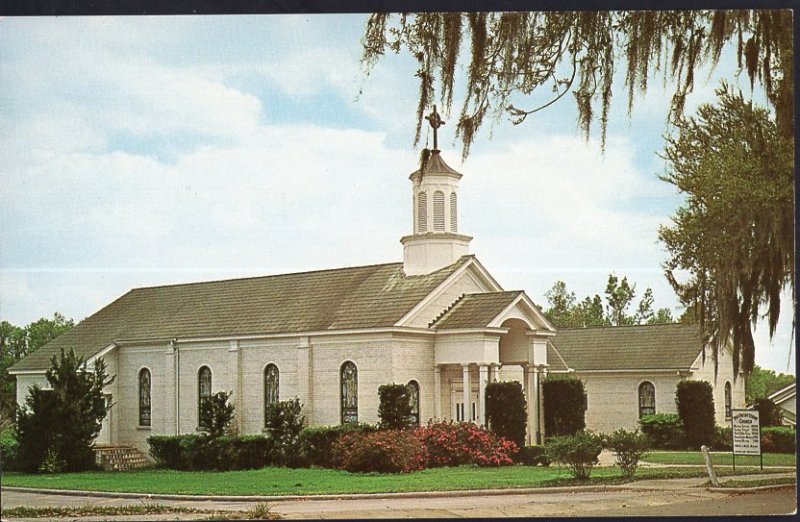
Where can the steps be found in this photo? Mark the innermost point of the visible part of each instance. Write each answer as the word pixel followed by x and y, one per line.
pixel 119 458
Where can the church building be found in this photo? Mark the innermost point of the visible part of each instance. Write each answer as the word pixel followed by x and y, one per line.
pixel 437 321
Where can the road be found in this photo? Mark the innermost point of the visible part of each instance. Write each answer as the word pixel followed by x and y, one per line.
pixel 617 502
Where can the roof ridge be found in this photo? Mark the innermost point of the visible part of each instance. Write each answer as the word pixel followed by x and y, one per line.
pixel 601 327
pixel 319 270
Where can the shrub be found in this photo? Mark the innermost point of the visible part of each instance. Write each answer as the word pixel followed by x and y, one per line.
pixel 664 430
pixel 454 444
pixel 9 448
pixel 199 453
pixel 564 406
pixel 532 456
pixel 57 427
pixel 395 406
pixel 629 447
pixel 768 413
pixel 284 423
pixel 216 415
pixel 722 439
pixel 695 402
pixel 506 411
pixel 778 439
pixel 385 451
pixel 316 442
pixel 578 452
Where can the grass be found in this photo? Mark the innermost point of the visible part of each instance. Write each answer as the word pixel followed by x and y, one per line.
pixel 766 481
pixel 287 481
pixel 720 458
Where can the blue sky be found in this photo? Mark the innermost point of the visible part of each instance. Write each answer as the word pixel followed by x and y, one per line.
pixel 148 150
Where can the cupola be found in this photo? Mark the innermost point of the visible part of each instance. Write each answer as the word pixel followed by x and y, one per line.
pixel 435 241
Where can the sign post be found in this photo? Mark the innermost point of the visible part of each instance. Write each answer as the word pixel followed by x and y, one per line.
pixel 746 433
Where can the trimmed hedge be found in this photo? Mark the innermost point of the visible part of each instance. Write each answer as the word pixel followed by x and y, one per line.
pixel 316 442
pixel 532 456
pixel 506 411
pixel 394 409
pixel 695 402
pixel 778 439
pixel 665 430
pixel 723 439
pixel 200 453
pixel 564 406
pixel 9 447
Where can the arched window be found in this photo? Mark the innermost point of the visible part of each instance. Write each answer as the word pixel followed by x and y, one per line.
pixel 438 211
pixel 203 390
pixel 144 397
pixel 727 400
pixel 647 399
pixel 349 387
pixel 453 212
pixel 271 387
pixel 422 212
pixel 413 398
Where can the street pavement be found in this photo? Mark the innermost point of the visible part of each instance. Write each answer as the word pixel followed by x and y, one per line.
pixel 641 498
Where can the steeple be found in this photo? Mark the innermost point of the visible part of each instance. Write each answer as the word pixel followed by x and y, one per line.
pixel 435 241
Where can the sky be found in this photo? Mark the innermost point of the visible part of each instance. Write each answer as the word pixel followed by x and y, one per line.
pixel 139 151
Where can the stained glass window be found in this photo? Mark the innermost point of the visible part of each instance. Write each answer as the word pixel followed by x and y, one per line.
pixel 271 387
pixel 413 398
pixel 349 382
pixel 144 397
pixel 204 390
pixel 647 399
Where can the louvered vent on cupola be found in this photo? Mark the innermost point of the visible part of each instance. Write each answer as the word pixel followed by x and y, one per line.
pixel 438 211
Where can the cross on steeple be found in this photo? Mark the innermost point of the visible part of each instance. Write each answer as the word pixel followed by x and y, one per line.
pixel 436 121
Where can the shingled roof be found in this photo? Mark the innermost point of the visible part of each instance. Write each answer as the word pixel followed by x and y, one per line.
pixel 325 300
pixel 646 347
pixel 475 310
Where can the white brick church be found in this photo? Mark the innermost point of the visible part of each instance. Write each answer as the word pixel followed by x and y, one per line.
pixel 437 321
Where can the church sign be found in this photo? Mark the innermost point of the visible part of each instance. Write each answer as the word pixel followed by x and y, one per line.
pixel 746 433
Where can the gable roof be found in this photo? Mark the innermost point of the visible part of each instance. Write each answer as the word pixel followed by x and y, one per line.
pixel 325 300
pixel 784 394
pixel 475 310
pixel 642 347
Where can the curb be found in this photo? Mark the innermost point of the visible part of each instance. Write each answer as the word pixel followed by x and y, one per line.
pixel 349 496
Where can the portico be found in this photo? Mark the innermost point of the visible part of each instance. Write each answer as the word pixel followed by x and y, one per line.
pixel 475 339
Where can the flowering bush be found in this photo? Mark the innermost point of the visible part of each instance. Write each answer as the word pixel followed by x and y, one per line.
pixel 385 451
pixel 454 444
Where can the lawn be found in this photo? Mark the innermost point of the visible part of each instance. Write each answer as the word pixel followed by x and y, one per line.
pixel 720 458
pixel 286 481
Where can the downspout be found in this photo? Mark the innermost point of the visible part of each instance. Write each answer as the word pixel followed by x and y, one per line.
pixel 174 344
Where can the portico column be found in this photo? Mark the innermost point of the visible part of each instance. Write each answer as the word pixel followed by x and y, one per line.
pixel 533 406
pixel 467 393
pixel 437 392
pixel 483 378
pixel 493 372
pixel 542 375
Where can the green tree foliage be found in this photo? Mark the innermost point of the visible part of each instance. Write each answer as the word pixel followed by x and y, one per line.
pixel 536 58
pixel 17 342
pixel 565 311
pixel 506 411
pixel 284 424
pixel 577 452
pixel 57 427
pixel 761 382
pixel 734 236
pixel 394 409
pixel 629 447
pixel 216 414
pixel 768 413
pixel 695 402
pixel 564 406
